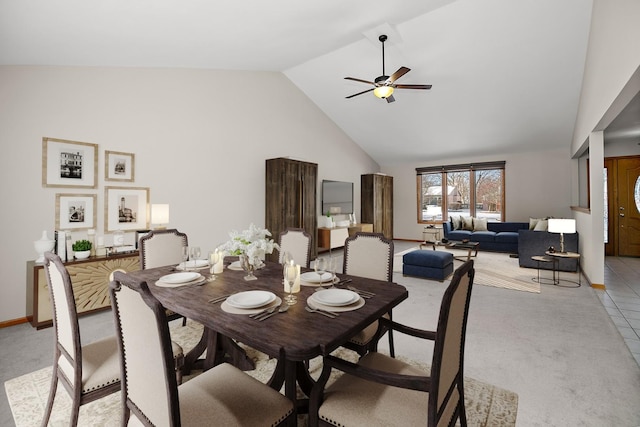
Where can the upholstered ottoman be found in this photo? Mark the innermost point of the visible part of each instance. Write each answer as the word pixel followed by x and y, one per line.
pixel 436 265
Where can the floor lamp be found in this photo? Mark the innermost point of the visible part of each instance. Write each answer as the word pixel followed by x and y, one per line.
pixel 562 226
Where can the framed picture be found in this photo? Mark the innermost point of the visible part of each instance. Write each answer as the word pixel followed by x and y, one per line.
pixel 126 208
pixel 119 166
pixel 69 163
pixel 76 211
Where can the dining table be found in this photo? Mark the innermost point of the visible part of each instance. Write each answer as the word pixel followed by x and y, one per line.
pixel 292 337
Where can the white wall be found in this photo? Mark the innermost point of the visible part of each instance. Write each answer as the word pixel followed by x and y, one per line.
pixel 538 184
pixel 611 79
pixel 200 138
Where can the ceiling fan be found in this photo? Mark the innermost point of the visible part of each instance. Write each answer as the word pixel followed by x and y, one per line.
pixel 384 85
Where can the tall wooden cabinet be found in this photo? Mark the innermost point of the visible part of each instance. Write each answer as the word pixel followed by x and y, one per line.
pixel 376 203
pixel 291 187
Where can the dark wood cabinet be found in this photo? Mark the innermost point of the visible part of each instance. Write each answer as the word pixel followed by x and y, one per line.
pixel 376 198
pixel 291 187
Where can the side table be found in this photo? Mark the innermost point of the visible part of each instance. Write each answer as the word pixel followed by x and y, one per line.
pixel 556 256
pixel 540 258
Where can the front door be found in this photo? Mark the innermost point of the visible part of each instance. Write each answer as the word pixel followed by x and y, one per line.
pixel 628 206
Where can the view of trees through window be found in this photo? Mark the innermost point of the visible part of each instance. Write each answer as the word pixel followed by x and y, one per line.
pixel 469 190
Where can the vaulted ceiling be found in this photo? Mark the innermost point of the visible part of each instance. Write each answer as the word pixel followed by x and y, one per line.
pixel 506 74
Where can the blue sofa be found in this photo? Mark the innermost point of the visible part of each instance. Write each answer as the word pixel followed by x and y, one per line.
pixel 500 237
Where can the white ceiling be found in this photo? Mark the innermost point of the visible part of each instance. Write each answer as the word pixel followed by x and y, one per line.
pixel 506 74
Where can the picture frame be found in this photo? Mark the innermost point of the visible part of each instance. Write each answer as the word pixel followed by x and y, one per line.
pixel 69 164
pixel 126 208
pixel 119 166
pixel 76 211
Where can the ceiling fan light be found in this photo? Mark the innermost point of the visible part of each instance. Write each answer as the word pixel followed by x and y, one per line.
pixel 383 91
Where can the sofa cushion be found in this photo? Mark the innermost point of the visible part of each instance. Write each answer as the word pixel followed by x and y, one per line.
pixel 482 236
pixel 456 221
pixel 459 235
pixel 480 224
pixel 507 237
pixel 467 223
pixel 541 225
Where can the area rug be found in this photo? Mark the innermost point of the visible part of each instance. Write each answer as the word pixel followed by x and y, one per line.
pixel 486 405
pixel 492 269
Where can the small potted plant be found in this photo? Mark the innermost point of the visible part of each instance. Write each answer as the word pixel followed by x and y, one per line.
pixel 81 249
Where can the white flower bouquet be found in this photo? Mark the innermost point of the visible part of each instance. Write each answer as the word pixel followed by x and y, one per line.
pixel 254 243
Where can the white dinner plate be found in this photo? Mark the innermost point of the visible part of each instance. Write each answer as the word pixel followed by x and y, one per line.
pixel 196 263
pixel 335 297
pixel 314 277
pixel 179 277
pixel 251 299
pixel 199 280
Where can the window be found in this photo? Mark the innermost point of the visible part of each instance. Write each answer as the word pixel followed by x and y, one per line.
pixel 469 190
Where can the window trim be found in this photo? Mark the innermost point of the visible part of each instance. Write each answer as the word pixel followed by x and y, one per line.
pixel 465 167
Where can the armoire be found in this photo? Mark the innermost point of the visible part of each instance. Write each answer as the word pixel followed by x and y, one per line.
pixel 291 187
pixel 376 202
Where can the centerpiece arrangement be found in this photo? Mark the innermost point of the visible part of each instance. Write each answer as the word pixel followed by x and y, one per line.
pixel 250 246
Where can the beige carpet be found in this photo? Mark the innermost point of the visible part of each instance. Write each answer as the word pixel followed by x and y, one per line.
pixel 492 269
pixel 486 405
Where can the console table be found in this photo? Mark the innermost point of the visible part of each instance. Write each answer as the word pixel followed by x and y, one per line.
pixel 331 238
pixel 90 278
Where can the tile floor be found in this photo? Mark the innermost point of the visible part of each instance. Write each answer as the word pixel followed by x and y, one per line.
pixel 621 298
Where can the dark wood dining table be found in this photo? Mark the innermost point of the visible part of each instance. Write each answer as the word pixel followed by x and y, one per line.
pixel 292 337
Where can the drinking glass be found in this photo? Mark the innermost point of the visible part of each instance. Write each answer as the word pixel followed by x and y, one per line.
pixel 320 267
pixel 195 255
pixel 214 258
pixel 291 272
pixel 185 257
pixel 332 263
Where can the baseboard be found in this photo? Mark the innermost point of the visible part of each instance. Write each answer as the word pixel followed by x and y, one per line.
pixel 13 322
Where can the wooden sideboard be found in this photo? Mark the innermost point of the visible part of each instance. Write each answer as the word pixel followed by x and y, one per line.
pixel 331 238
pixel 90 278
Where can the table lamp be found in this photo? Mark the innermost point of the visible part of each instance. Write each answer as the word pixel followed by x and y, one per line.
pixel 562 226
pixel 160 215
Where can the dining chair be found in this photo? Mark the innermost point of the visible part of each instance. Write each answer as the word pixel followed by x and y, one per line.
pixel 369 255
pixel 163 247
pixel 380 390
pixel 297 242
pixel 87 372
pixel 223 395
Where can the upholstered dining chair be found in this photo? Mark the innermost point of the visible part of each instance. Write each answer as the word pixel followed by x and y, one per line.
pixel 163 247
pixel 297 242
pixel 369 255
pixel 380 390
pixel 87 372
pixel 223 395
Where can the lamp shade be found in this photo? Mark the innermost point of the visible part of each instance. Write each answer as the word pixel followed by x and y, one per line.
pixel 383 91
pixel 564 226
pixel 160 214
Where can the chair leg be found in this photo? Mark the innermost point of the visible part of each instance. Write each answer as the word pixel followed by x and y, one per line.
pixel 52 396
pixel 461 409
pixel 184 321
pixel 392 350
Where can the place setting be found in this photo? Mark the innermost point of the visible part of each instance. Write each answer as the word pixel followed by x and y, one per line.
pixel 176 280
pixel 331 302
pixel 257 304
pixel 191 259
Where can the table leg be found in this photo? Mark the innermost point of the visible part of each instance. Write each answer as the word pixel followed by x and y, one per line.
pixel 219 349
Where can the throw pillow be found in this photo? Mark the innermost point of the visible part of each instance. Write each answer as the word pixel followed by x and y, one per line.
pixel 467 223
pixel 541 225
pixel 480 224
pixel 455 222
pixel 533 222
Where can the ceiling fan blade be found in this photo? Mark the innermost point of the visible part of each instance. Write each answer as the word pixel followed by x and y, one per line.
pixel 360 93
pixel 412 86
pixel 390 98
pixel 395 76
pixel 359 80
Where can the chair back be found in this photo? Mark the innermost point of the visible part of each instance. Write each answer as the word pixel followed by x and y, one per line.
pixel 448 354
pixel 65 317
pixel 161 247
pixel 149 386
pixel 368 255
pixel 297 242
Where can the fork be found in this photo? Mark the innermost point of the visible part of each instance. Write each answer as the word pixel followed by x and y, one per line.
pixel 263 312
pixel 363 294
pixel 283 308
pixel 324 313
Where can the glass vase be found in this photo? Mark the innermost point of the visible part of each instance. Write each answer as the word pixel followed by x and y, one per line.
pixel 248 267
